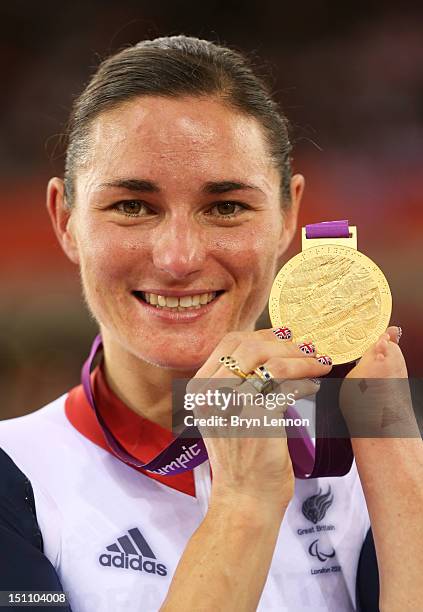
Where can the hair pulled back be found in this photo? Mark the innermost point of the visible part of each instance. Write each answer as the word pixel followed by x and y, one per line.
pixel 171 67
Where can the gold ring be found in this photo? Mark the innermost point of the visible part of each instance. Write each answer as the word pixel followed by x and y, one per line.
pixel 231 364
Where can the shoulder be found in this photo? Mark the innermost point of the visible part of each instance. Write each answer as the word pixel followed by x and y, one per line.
pixel 33 449
pixel 51 413
pixel 34 425
pixel 23 566
pixel 17 505
pixel 34 440
pixel 30 439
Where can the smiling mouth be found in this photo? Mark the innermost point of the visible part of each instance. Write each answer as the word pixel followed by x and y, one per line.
pixel 177 303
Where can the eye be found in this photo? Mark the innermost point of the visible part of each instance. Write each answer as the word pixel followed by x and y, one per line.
pixel 227 209
pixel 132 208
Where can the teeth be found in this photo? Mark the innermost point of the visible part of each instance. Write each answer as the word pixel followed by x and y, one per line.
pixel 172 301
pixel 186 301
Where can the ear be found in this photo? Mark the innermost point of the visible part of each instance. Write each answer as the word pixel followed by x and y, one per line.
pixel 291 214
pixel 62 218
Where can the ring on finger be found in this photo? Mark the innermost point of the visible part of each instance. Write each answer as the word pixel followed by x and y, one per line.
pixel 264 373
pixel 261 379
pixel 233 366
pixel 259 385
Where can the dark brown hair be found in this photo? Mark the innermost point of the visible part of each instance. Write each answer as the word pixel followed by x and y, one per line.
pixel 177 66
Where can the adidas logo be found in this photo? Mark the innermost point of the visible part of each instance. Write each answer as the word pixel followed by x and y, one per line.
pixel 132 552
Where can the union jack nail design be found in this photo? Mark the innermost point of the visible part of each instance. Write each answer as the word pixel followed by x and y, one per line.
pixel 307 347
pixel 324 359
pixel 283 333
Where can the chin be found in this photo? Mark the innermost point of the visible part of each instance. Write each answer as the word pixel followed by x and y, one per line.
pixel 172 356
pixel 170 362
pixel 187 353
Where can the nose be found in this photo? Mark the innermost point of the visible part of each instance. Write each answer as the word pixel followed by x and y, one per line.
pixel 179 248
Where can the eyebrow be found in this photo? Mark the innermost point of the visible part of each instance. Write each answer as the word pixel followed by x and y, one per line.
pixel 146 186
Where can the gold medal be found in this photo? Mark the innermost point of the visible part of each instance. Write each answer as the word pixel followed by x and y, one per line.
pixel 333 295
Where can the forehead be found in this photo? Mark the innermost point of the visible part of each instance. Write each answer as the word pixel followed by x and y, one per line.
pixel 192 137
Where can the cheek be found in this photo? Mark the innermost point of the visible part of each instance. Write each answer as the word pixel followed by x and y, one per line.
pixel 111 264
pixel 109 253
pixel 251 252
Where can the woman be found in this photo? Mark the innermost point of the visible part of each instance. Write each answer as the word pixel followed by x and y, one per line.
pixel 177 206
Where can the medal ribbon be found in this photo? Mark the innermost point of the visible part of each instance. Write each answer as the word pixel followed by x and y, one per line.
pixel 334 455
pixel 328 229
pixel 188 450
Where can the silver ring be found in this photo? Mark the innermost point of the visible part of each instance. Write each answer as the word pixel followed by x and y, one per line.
pixel 259 385
pixel 261 379
pixel 263 373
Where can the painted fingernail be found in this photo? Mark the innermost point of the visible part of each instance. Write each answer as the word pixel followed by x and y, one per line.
pixel 316 381
pixel 283 333
pixel 399 333
pixel 324 359
pixel 307 347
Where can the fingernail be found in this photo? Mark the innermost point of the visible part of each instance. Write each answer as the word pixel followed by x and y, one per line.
pixel 399 333
pixel 283 333
pixel 316 381
pixel 324 359
pixel 307 347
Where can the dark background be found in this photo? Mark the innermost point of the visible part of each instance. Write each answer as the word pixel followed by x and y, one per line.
pixel 349 77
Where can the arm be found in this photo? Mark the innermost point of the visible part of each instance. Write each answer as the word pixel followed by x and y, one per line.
pixel 389 458
pixel 391 473
pixel 226 562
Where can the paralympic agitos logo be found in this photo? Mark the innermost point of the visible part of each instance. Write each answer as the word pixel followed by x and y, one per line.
pixel 132 552
pixel 314 551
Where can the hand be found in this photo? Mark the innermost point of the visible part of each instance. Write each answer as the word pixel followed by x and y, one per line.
pixel 375 395
pixel 257 468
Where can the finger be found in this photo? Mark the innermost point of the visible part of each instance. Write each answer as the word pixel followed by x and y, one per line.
pixel 382 344
pixel 306 347
pixel 305 387
pixel 226 346
pixel 261 340
pixel 251 353
pixel 279 333
pixel 296 368
pixel 224 381
pixel 394 332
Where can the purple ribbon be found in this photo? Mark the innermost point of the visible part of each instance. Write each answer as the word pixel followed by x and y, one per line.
pixel 328 229
pixel 334 455
pixel 185 452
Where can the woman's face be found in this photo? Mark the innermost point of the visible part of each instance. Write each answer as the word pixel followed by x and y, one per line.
pixel 177 199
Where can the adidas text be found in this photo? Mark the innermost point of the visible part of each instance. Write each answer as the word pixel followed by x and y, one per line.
pixel 135 562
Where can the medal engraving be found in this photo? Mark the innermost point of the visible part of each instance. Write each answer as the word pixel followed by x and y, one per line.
pixel 334 296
